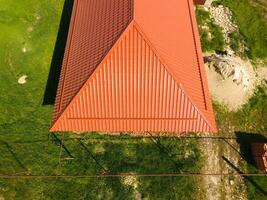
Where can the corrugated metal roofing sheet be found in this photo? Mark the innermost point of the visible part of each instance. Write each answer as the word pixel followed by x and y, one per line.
pixel 152 79
pixel 170 29
pixel 132 90
pixel 95 27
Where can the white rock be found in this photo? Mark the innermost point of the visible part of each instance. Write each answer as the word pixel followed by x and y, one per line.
pixel 22 80
pixel 24 50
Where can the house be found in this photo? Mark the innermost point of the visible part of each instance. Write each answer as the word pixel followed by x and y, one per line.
pixel 133 66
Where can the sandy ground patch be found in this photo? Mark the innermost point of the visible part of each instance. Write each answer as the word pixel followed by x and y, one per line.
pixel 228 92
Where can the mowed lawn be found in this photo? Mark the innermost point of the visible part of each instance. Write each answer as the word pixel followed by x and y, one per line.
pixel 28 31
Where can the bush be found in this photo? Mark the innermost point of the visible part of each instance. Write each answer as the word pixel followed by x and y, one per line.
pixel 252 26
pixel 214 41
pixel 235 41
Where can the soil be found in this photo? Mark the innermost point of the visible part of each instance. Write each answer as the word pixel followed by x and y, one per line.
pixel 211 184
pixel 227 91
pixel 216 152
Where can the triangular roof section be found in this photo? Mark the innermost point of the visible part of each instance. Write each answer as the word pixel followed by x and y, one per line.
pixel 151 79
pixel 94 28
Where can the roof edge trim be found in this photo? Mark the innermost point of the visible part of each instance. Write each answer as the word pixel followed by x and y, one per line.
pixel 197 52
pixel 72 28
pixel 199 55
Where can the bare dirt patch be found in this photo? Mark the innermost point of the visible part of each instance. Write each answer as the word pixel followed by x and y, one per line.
pixel 221 187
pixel 211 184
pixel 227 89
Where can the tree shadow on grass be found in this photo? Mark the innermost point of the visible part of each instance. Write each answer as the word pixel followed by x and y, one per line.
pixel 92 156
pixel 57 59
pixel 245 140
pixel 17 166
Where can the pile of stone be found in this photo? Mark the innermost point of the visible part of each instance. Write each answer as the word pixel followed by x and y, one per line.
pixel 228 68
pixel 223 17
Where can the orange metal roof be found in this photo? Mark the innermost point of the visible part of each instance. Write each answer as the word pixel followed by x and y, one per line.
pixel 147 75
pixel 94 28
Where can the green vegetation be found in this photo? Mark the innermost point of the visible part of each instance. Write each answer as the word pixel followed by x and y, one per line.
pixel 250 122
pixel 250 125
pixel 252 24
pixel 235 42
pixel 96 154
pixel 211 35
pixel 27 39
pixel 27 148
pixel 251 118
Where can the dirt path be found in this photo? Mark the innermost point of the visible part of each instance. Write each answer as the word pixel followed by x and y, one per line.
pixel 221 157
pixel 211 184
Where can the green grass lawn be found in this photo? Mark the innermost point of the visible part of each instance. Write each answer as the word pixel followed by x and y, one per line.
pixel 24 122
pixel 96 155
pixel 252 24
pixel 250 125
pixel 251 119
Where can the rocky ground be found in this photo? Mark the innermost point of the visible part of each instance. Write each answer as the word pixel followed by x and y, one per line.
pixel 133 182
pixel 223 17
pixel 221 156
pixel 211 184
pixel 232 81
